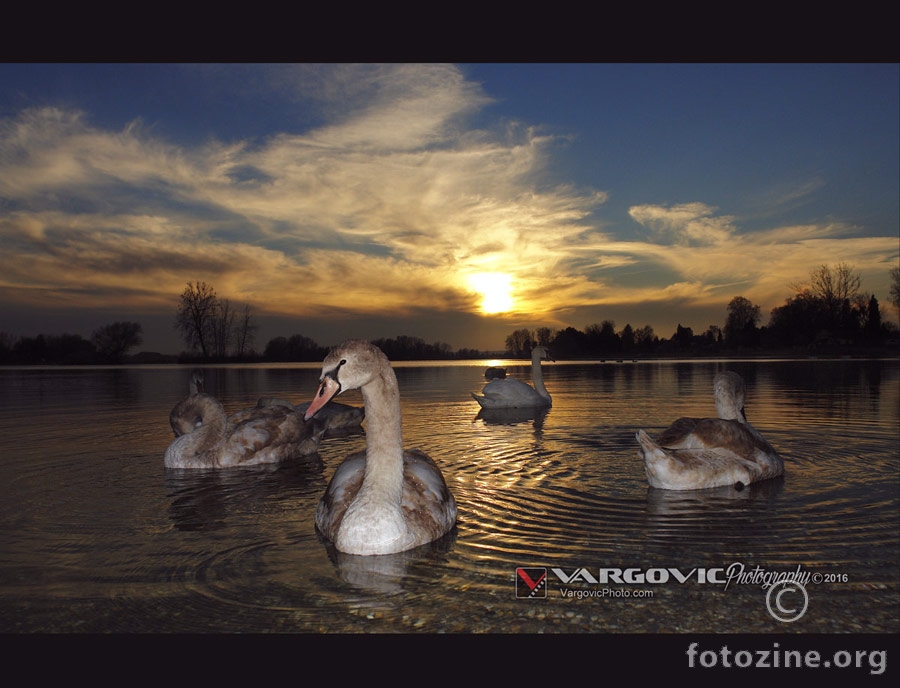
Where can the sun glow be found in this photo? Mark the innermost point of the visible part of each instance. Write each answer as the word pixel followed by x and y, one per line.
pixel 496 291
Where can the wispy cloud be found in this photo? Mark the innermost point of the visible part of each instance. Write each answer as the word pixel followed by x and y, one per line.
pixel 389 206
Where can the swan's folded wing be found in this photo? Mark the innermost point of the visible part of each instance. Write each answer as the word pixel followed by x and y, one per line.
pixel 426 497
pixel 678 434
pixel 341 491
pixel 710 460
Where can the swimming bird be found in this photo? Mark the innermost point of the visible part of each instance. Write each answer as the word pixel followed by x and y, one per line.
pixel 511 393
pixel 494 373
pixel 335 416
pixel 332 416
pixel 180 422
pixel 207 438
pixel 699 453
pixel 385 499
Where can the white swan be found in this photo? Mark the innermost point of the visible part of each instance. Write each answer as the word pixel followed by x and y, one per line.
pixel 207 438
pixel 385 499
pixel 699 453
pixel 508 392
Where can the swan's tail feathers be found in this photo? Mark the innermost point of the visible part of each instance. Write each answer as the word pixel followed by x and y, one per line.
pixel 652 454
pixel 648 446
pixel 480 400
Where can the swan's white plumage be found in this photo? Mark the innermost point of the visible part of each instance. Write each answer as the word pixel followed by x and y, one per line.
pixel 700 453
pixel 385 499
pixel 508 392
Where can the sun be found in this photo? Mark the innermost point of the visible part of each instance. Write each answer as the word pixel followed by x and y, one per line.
pixel 496 291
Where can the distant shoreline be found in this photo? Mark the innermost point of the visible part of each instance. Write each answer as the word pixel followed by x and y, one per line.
pixel 155 359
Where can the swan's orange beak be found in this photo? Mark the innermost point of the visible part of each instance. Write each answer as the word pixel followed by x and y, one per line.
pixel 327 389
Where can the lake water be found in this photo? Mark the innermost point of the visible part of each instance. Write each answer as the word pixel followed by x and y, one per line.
pixel 97 536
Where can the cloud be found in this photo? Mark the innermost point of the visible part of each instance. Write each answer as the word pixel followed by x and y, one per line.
pixel 388 206
pixel 687 224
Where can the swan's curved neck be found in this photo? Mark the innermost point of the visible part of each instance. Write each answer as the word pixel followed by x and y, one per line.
pixel 384 437
pixel 537 376
pixel 727 408
pixel 207 436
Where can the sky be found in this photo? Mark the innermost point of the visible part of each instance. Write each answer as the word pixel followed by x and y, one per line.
pixel 451 202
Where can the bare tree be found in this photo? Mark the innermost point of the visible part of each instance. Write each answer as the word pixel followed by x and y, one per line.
pixel 833 286
pixel 644 336
pixel 245 334
pixel 895 287
pixel 195 316
pixel 114 340
pixel 520 342
pixel 544 336
pixel 222 328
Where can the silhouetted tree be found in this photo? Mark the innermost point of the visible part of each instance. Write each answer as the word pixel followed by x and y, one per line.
pixel 543 336
pixel 872 327
pixel 7 343
pixel 520 343
pixel 114 340
pixel 626 337
pixel 895 288
pixel 799 321
pixel 740 324
pixel 245 334
pixel 683 337
pixel 645 338
pixel 833 286
pixel 714 334
pixel 569 343
pixel 297 348
pixel 602 339
pixel 195 317
pixel 221 328
pixel 65 349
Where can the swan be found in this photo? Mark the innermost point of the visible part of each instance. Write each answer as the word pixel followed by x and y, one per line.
pixel 207 438
pixel 494 373
pixel 511 393
pixel 182 424
pixel 699 453
pixel 332 416
pixel 335 416
pixel 385 499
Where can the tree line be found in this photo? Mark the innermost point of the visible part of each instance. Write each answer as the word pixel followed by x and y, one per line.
pixel 107 344
pixel 828 313
pixel 215 331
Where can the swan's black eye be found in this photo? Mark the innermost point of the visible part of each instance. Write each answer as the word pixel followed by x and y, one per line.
pixel 343 361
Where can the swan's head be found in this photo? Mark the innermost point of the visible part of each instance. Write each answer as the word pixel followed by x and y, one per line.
pixel 728 388
pixel 541 352
pixel 349 365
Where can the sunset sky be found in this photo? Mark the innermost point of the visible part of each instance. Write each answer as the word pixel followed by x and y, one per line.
pixel 455 203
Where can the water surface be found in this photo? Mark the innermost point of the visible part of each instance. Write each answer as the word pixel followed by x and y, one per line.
pixel 97 536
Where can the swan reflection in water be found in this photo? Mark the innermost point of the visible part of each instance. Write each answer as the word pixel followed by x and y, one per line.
pixel 385 574
pixel 715 519
pixel 662 502
pixel 514 416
